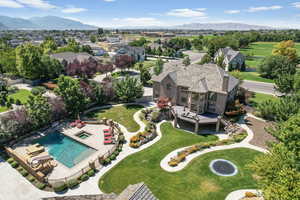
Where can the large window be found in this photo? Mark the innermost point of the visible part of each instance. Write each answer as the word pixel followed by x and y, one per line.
pixel 169 86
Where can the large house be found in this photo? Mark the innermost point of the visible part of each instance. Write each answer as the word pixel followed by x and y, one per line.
pixel 233 60
pixel 198 93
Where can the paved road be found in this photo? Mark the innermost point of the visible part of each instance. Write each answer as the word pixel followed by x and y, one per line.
pixel 260 87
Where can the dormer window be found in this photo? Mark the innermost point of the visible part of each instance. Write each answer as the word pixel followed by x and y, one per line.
pixel 169 86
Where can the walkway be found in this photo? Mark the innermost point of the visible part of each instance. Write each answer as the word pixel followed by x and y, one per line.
pixel 25 190
pixel 244 144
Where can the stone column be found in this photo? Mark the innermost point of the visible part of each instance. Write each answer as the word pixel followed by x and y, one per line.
pixel 197 126
pixel 218 123
pixel 175 120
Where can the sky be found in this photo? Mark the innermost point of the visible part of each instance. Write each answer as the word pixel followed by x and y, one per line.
pixel 116 13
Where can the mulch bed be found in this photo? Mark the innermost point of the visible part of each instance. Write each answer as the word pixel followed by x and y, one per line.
pixel 261 136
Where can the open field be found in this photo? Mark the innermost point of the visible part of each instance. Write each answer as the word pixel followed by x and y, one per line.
pixel 196 181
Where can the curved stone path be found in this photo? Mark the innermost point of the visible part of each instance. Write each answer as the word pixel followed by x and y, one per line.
pixel 244 144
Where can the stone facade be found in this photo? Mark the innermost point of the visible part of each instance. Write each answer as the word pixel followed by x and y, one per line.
pixel 233 60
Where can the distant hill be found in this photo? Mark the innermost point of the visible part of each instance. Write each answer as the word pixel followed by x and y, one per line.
pixel 48 23
pixel 52 22
pixel 2 27
pixel 17 23
pixel 222 26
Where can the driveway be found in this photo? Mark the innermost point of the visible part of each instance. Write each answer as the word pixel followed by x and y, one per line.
pixel 260 87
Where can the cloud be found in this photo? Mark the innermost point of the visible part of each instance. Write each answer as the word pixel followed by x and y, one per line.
pixel 109 0
pixel 10 4
pixel 186 12
pixel 264 8
pixel 73 10
pixel 296 4
pixel 37 4
pixel 232 11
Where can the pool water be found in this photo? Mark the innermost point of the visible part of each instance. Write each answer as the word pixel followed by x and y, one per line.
pixel 64 149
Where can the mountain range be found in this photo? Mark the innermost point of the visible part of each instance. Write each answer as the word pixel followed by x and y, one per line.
pixel 42 23
pixel 59 23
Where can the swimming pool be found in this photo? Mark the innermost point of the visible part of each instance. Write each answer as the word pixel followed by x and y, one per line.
pixel 64 149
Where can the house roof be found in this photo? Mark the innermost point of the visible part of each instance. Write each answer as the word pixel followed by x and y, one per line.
pixel 138 191
pixel 198 78
pixel 229 53
pixel 70 56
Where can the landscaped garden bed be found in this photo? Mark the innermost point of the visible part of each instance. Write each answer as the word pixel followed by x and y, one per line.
pixel 181 156
pixel 144 137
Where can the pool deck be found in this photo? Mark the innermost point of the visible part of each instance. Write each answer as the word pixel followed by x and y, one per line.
pixel 95 141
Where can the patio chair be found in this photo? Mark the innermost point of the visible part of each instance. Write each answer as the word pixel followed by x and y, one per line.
pixel 106 130
pixel 108 142
pixel 108 137
pixel 107 134
pixel 35 149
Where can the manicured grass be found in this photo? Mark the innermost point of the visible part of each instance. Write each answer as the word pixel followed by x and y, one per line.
pixel 3 109
pixel 195 182
pixel 254 76
pixel 22 95
pixel 259 98
pixel 120 114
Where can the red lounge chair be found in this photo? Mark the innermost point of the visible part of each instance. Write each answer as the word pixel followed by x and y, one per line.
pixel 108 142
pixel 106 130
pixel 108 137
pixel 107 134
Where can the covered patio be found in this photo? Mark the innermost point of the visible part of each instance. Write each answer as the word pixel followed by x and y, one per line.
pixel 182 113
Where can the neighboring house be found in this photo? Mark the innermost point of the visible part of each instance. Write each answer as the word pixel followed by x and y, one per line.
pixel 138 53
pixel 75 63
pixel 233 60
pixel 138 191
pixel 199 88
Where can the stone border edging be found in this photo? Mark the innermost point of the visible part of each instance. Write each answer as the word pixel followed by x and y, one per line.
pixel 239 194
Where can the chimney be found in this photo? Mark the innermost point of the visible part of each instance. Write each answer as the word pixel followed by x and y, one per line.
pixel 225 84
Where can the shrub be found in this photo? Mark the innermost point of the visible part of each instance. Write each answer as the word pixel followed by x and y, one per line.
pixel 107 161
pixel 31 178
pixel 40 185
pixel 84 177
pixel 20 168
pixel 134 145
pixel 18 102
pixel 91 173
pixel 113 157
pixel 240 137
pixel 10 160
pixel 155 116
pixel 38 90
pixel 173 163
pixel 14 164
pixel 24 172
pixel 250 195
pixel 72 183
pixel 119 149
pixel 60 188
pixel 122 139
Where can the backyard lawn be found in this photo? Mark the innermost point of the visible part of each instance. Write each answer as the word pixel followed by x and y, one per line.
pixel 195 182
pixel 22 95
pixel 259 50
pixel 120 114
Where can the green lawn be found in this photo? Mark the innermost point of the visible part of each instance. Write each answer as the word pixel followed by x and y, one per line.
pixel 259 98
pixel 22 95
pixel 120 114
pixel 195 182
pixel 254 76
pixel 3 109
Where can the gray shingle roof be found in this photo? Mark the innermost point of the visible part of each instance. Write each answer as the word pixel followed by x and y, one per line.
pixel 229 53
pixel 70 56
pixel 198 78
pixel 138 191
